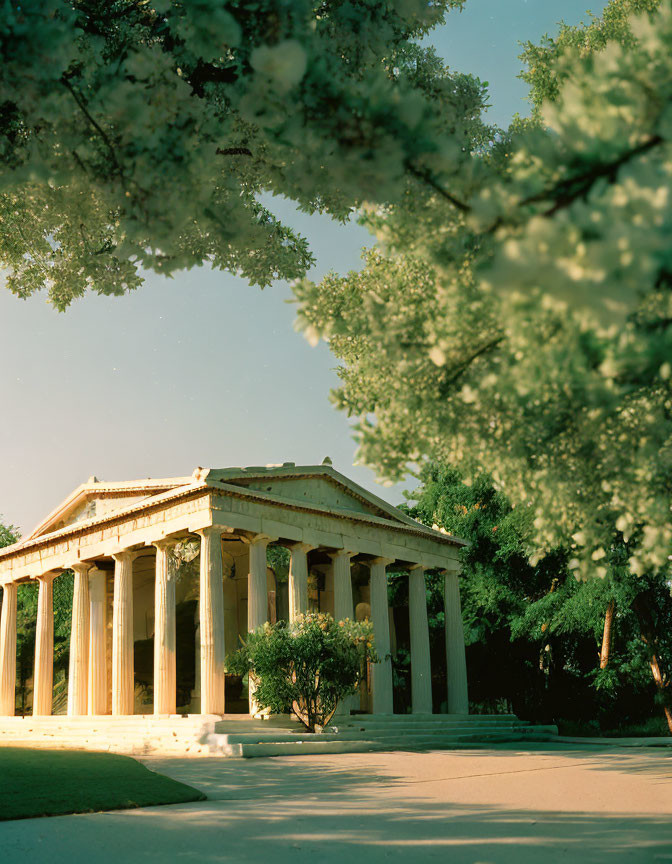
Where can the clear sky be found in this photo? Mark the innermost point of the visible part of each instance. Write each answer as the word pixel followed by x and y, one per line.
pixel 202 369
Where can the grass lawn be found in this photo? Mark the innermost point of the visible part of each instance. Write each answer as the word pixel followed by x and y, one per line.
pixel 52 782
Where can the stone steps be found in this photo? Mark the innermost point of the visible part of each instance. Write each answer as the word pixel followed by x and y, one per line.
pixel 426 722
pixel 351 736
pixel 243 736
pixel 317 744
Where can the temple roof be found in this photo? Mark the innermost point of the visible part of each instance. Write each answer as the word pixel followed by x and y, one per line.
pixel 316 487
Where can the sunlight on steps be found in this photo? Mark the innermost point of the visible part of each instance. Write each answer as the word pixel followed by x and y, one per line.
pixel 241 736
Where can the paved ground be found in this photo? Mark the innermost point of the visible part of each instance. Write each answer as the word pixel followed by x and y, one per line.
pixel 544 803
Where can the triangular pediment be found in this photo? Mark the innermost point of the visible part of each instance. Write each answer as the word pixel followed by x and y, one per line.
pixel 96 499
pixel 319 484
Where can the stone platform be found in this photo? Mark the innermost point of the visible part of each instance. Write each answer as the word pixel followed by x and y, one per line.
pixel 242 736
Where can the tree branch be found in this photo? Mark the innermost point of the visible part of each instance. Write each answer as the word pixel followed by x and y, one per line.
pixel 567 191
pixel 462 368
pixel 233 151
pixel 426 177
pixel 98 128
pixel 206 73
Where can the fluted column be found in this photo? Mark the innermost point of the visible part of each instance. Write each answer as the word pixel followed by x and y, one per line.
pixel 343 607
pixel 456 663
pixel 8 650
pixel 165 681
pixel 43 677
pixel 97 642
pixel 211 607
pixel 257 594
pixel 123 679
pixel 421 671
pixel 298 579
pixel 78 679
pixel 381 672
pixel 257 598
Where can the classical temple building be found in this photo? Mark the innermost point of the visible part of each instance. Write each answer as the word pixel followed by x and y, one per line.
pixel 170 574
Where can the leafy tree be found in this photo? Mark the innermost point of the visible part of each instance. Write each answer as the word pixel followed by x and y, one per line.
pixel 545 76
pixel 306 667
pixel 278 558
pixel 452 351
pixel 8 534
pixel 535 634
pixel 26 623
pixel 497 587
pixel 142 135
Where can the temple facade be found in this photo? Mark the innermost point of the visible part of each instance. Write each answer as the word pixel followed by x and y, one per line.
pixel 170 574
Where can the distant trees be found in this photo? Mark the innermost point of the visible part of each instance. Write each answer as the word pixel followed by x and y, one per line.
pixel 26 622
pixel 535 634
pixel 8 534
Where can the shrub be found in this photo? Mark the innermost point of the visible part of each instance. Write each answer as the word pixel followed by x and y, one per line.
pixel 306 667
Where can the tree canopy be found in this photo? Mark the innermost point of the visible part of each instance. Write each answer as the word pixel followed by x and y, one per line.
pixel 536 637
pixel 479 333
pixel 141 135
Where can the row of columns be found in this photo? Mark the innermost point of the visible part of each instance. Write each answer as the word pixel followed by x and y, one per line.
pixel 421 674
pixel 87 683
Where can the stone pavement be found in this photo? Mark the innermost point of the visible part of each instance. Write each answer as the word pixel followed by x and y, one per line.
pixel 505 805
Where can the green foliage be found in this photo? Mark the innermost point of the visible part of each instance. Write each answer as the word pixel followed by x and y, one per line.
pixel 306 667
pixel 26 624
pixel 26 621
pixel 533 632
pixel 277 558
pixel 42 782
pixel 516 317
pixel 8 534
pixel 543 74
pixel 137 135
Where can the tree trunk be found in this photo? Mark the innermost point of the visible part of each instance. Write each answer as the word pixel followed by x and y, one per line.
pixel 544 661
pixel 640 607
pixel 606 636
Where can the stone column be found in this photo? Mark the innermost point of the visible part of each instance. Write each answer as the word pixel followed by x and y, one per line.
pixel 211 608
pixel 123 678
pixel 343 607
pixel 298 579
pixel 165 680
pixel 43 677
pixel 8 650
pixel 381 672
pixel 421 672
pixel 78 679
pixel 456 664
pixel 97 642
pixel 257 598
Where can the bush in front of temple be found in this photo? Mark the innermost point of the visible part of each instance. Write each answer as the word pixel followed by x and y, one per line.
pixel 306 667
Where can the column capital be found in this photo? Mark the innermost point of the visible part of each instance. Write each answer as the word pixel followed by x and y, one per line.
pixel 164 542
pixel 300 547
pixel 49 576
pixel 126 555
pixel 412 567
pixel 453 569
pixel 381 560
pixel 209 531
pixel 342 553
pixel 81 567
pixel 260 539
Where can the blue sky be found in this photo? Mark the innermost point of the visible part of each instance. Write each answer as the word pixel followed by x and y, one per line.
pixel 202 369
